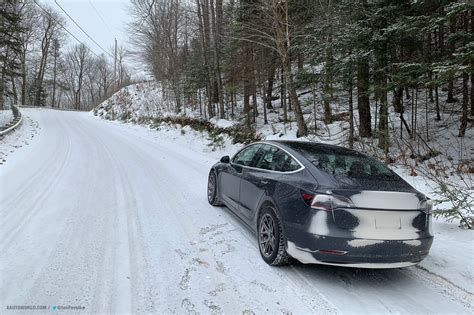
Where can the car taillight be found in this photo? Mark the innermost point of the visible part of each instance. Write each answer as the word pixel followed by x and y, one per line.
pixel 426 206
pixel 322 202
pixel 326 202
pixel 308 198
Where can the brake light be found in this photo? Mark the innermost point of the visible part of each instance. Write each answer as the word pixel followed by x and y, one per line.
pixel 308 198
pixel 326 202
pixel 322 202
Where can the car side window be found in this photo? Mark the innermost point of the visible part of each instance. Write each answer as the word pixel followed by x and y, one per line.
pixel 246 157
pixel 265 161
pixel 276 159
pixel 291 165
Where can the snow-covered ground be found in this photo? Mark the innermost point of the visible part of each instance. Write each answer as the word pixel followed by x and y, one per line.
pixel 114 217
pixel 6 116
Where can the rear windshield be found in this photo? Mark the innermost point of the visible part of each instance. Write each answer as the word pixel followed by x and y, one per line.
pixel 351 169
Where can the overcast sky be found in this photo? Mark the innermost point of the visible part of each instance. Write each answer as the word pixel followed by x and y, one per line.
pixel 103 20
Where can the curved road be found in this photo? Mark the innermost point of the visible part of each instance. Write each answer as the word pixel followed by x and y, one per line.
pixel 115 219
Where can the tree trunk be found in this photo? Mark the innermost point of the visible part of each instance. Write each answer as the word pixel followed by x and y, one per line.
pixel 327 90
pixel 45 43
pixel 465 102
pixel 383 123
pixel 56 48
pixel 254 88
pixel 363 102
pixel 415 111
pixel 270 78
pixel 302 129
pixel 203 21
pixel 465 90
pixel 430 73
pixel 326 102
pixel 265 118
pixel 438 115
pixel 23 78
pixel 472 88
pixel 397 100
pixel 351 114
pixel 300 60
pixel 216 22
pixel 452 29
pixel 283 96
pixel 247 102
pixel 472 67
pixel 2 89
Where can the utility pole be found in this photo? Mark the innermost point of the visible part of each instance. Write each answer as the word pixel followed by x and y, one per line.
pixel 115 64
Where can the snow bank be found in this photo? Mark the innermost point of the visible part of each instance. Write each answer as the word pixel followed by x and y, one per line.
pixel 6 116
pixel 452 255
pixel 133 102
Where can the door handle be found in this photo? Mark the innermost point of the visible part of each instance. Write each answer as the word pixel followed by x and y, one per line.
pixel 264 182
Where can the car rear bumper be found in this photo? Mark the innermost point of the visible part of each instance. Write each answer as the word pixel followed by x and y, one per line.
pixel 356 252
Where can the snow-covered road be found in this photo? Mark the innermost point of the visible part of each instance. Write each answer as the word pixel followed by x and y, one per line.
pixel 115 219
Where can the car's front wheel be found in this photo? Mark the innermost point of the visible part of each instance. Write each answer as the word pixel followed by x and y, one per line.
pixel 212 195
pixel 271 238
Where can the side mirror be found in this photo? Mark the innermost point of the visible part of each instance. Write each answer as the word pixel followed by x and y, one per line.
pixel 225 159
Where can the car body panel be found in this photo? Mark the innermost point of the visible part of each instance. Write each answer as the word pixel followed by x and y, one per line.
pixel 229 184
pixel 254 184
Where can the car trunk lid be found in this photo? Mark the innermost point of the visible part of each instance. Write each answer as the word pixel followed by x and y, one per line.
pixel 382 215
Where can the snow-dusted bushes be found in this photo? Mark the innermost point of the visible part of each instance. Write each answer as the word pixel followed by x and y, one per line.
pixel 237 132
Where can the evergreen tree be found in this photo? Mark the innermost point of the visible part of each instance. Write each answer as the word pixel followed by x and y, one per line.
pixel 10 46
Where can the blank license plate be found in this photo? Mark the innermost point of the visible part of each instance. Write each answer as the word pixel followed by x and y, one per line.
pixel 388 221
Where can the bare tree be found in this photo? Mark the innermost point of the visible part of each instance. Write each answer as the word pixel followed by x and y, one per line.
pixel 105 77
pixel 30 34
pixel 49 26
pixel 76 61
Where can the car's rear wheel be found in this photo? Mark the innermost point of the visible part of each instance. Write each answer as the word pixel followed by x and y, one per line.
pixel 271 238
pixel 212 195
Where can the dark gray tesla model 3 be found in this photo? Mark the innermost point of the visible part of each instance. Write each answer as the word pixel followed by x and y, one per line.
pixel 323 204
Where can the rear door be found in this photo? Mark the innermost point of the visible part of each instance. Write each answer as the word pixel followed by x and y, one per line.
pixel 230 179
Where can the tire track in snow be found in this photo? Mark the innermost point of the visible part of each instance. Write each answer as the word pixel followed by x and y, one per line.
pixel 24 217
pixel 188 271
pixel 115 287
pixel 77 251
pixel 36 176
pixel 445 286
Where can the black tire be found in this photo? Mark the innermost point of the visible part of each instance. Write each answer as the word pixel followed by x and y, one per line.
pixel 212 195
pixel 271 238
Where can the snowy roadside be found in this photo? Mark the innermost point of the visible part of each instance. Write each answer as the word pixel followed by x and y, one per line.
pixel 452 253
pixel 6 116
pixel 18 138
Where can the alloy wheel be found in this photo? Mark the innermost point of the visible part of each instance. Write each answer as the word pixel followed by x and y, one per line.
pixel 211 188
pixel 267 235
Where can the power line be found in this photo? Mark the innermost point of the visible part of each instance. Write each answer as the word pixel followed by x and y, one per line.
pixel 49 13
pixel 102 19
pixel 93 40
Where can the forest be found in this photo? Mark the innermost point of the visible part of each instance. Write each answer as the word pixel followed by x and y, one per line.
pixel 42 63
pixel 377 55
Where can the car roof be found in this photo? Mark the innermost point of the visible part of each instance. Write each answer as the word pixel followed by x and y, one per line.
pixel 309 145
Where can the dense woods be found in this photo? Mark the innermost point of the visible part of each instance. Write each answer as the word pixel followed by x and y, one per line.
pixel 231 57
pixel 373 57
pixel 43 64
